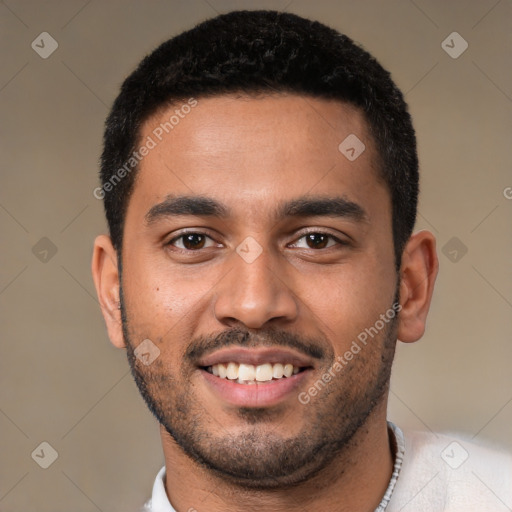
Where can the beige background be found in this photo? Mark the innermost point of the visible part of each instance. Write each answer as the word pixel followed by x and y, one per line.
pixel 61 380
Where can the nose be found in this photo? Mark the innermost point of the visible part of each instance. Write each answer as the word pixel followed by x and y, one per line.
pixel 255 293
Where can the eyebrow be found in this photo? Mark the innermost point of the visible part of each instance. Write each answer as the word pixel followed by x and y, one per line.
pixel 307 206
pixel 323 207
pixel 198 206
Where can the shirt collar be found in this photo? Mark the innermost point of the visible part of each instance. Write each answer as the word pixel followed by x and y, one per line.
pixel 159 501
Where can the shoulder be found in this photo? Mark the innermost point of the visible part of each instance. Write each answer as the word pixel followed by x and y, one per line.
pixel 447 472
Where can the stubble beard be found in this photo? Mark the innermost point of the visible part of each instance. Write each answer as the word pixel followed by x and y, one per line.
pixel 256 456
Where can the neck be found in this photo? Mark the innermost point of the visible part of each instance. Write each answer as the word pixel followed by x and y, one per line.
pixel 356 480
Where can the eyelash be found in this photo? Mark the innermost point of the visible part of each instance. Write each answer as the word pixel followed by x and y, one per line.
pixel 339 242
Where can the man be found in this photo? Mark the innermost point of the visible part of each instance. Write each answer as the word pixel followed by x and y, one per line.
pixel 260 181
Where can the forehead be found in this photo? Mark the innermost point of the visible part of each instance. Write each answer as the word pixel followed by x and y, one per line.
pixel 253 150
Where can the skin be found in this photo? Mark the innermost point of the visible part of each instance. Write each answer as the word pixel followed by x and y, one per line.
pixel 253 154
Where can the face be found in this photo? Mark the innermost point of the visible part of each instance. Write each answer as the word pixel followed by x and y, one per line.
pixel 254 246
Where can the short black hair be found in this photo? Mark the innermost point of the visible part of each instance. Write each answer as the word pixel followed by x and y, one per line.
pixel 260 52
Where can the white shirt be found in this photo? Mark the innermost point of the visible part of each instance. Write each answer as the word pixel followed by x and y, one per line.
pixel 432 473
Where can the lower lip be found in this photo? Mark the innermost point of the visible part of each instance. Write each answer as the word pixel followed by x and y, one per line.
pixel 263 394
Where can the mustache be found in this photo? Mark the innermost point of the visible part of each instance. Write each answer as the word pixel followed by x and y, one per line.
pixel 205 345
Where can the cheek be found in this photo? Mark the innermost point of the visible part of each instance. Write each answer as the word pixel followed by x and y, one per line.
pixel 162 299
pixel 350 299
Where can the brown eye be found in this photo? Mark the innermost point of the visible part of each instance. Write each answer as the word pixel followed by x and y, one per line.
pixel 317 240
pixel 191 241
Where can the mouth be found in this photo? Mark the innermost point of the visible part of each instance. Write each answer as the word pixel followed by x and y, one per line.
pixel 255 378
pixel 249 374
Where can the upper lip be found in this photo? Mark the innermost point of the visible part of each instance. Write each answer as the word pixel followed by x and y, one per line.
pixel 256 356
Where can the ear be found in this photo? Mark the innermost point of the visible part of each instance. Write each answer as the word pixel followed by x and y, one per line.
pixel 418 273
pixel 106 279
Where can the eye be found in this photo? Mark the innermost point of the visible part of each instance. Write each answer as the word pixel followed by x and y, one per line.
pixel 317 240
pixel 192 241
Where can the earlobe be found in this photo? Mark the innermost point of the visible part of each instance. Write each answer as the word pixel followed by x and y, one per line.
pixel 418 273
pixel 106 280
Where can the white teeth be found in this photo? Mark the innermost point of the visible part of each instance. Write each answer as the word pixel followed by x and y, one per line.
pixel 278 371
pixel 264 372
pixel 242 381
pixel 250 374
pixel 245 372
pixel 221 369
pixel 232 371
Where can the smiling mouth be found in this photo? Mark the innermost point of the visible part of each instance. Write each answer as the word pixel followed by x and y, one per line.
pixel 242 373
